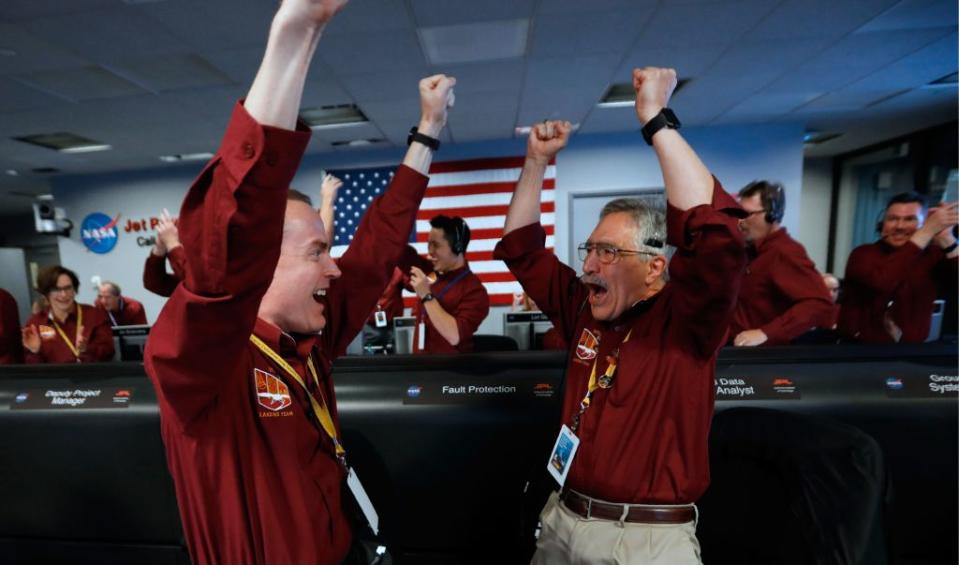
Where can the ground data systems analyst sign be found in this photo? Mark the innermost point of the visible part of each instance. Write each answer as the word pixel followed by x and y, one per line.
pixel 99 233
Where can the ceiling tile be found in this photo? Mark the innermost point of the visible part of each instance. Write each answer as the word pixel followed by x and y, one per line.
pixel 428 13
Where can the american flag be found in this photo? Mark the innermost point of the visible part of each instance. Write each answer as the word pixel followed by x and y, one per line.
pixel 478 190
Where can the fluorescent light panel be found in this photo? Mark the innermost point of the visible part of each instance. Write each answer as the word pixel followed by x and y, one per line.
pixel 470 43
pixel 334 116
pixel 64 142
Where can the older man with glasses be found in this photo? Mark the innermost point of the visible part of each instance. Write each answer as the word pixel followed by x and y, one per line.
pixel 631 457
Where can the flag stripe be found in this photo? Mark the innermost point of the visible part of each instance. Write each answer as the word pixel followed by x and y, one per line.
pixel 488 233
pixel 481 188
pixel 434 204
pixel 479 164
pixel 500 209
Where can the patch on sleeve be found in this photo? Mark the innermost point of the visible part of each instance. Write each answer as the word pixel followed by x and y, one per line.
pixel 271 392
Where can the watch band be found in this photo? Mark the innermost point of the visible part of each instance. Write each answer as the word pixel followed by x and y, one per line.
pixel 951 248
pixel 427 297
pixel 664 119
pixel 426 140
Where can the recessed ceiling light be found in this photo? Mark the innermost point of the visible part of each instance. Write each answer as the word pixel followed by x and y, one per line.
pixel 358 142
pixel 7 52
pixel 181 157
pixel 621 94
pixel 12 172
pixel 334 116
pixel 817 137
pixel 65 142
pixel 87 148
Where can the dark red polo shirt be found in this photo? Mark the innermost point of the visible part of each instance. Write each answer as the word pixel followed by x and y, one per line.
pixel 461 294
pixel 909 278
pixel 131 313
pixel 155 277
pixel 256 477
pixel 11 348
pixel 96 327
pixel 645 439
pixel 782 294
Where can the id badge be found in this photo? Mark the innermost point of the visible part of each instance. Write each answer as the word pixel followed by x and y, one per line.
pixel 561 458
pixel 380 318
pixel 421 336
pixel 366 505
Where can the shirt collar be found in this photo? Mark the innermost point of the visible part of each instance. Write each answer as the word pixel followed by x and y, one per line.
pixel 287 345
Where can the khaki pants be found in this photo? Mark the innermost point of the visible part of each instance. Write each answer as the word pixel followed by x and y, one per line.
pixel 567 537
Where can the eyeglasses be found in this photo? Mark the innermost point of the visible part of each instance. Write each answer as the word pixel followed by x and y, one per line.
pixel 606 253
pixel 64 289
pixel 754 212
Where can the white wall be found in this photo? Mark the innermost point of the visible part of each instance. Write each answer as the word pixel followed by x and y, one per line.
pixel 597 163
pixel 814 210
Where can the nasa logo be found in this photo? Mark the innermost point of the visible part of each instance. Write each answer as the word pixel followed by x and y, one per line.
pixel 99 233
pixel 414 391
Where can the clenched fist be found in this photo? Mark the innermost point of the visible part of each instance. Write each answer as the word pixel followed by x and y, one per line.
pixel 653 88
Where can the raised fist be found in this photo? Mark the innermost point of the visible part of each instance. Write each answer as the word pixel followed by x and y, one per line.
pixel 436 97
pixel 653 88
pixel 547 139
pixel 317 12
pixel 168 236
pixel 330 187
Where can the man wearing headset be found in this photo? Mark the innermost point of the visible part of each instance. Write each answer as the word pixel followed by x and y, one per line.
pixel 890 285
pixel 783 295
pixel 452 301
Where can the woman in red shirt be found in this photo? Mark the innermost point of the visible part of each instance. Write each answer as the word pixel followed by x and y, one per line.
pixel 65 332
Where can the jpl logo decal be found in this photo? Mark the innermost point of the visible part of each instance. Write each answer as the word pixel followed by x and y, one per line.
pixel 99 232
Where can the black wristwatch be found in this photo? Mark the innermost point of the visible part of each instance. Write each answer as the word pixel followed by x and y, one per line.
pixel 426 140
pixel 664 119
pixel 951 248
pixel 427 297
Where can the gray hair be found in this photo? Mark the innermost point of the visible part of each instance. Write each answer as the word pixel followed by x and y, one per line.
pixel 650 222
pixel 114 287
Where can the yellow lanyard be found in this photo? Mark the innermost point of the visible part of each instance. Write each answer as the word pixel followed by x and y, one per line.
pixel 321 411
pixel 66 340
pixel 605 381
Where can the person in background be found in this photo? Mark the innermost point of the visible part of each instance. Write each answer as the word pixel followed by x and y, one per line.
pixel 552 339
pixel 167 246
pixel 832 285
pixel 783 295
pixel 890 285
pixel 11 349
pixel 121 310
pixel 452 300
pixel 67 332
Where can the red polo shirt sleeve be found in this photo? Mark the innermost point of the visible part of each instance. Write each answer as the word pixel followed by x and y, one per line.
pixel 798 281
pixel 155 277
pixel 231 226
pixel 552 285
pixel 367 266
pixel 706 269
pixel 11 349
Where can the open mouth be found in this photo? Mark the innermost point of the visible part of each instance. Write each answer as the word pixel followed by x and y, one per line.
pixel 319 296
pixel 597 289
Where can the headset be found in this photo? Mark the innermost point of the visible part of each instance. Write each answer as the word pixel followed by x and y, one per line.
pixel 455 231
pixel 461 236
pixel 773 197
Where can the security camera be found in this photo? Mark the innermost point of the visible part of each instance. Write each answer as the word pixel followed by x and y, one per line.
pixel 48 218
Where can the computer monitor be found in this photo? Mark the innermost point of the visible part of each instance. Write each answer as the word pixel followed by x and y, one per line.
pixel 524 327
pixel 404 329
pixel 129 342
